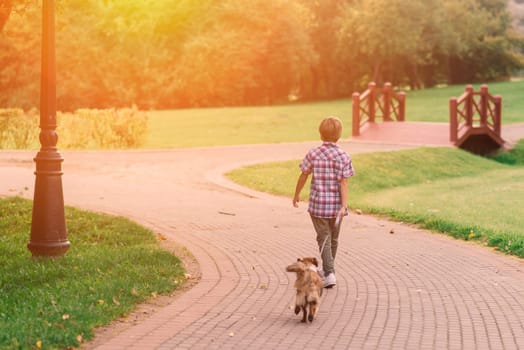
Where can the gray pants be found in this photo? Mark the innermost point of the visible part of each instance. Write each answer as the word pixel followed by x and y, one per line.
pixel 327 232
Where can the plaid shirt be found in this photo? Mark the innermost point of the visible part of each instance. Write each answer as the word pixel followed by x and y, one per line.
pixel 329 164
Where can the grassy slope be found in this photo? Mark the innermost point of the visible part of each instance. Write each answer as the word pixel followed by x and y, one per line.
pixel 112 265
pixel 442 189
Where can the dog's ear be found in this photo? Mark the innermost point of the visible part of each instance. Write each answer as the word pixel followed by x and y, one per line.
pixel 315 262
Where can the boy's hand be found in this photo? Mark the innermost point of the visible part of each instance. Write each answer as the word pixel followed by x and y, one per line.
pixel 296 199
pixel 340 215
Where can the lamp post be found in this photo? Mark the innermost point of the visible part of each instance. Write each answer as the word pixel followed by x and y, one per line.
pixel 48 228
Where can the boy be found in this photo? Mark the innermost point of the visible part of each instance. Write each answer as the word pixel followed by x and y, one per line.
pixel 331 167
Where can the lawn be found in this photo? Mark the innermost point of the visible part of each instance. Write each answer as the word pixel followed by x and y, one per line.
pixel 443 189
pixel 112 265
pixel 299 121
pixel 240 125
pixel 432 105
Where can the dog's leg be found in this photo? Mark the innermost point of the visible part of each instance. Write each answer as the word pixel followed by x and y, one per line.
pixel 313 307
pixel 300 300
pixel 304 316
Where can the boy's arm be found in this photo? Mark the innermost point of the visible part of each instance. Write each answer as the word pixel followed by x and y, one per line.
pixel 343 195
pixel 300 185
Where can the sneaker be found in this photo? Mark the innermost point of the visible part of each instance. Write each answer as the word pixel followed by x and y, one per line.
pixel 330 281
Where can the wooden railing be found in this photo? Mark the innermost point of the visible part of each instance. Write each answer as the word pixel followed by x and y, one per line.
pixel 474 110
pixel 377 103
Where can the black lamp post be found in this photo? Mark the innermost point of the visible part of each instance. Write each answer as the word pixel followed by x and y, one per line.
pixel 48 228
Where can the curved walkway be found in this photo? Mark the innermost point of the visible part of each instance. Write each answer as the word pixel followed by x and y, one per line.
pixel 407 290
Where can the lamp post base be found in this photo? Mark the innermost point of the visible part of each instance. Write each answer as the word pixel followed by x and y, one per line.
pixel 48 227
pixel 48 249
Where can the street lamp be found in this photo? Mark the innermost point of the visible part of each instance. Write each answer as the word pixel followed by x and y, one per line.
pixel 48 228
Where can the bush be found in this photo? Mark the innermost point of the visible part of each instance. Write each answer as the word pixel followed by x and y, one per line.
pixel 18 130
pixel 82 129
pixel 103 128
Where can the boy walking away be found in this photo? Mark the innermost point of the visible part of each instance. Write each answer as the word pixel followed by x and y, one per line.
pixel 331 167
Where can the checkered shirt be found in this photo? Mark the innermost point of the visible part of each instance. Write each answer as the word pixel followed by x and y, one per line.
pixel 329 164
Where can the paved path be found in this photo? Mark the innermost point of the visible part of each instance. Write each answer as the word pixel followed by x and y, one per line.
pixel 407 290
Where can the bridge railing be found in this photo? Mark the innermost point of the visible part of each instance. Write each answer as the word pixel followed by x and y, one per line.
pixel 474 110
pixel 377 103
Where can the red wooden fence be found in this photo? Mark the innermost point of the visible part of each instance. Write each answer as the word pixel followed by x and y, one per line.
pixel 475 113
pixel 377 103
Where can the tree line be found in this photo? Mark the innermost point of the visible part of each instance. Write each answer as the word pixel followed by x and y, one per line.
pixel 177 54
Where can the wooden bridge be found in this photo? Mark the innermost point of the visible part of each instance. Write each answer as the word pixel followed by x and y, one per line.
pixel 475 121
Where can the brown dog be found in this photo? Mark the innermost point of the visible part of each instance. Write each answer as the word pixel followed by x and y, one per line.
pixel 308 286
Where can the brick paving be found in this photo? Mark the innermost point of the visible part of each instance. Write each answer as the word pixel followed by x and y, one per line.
pixel 407 290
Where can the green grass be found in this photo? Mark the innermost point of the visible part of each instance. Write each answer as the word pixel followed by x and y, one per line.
pixel 515 156
pixel 299 121
pixel 112 265
pixel 442 189
pixel 432 105
pixel 240 125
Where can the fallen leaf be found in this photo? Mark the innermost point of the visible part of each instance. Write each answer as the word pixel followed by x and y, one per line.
pixel 100 301
pixel 358 211
pixel 65 317
pixel 39 344
pixel 154 294
pixel 79 338
pixel 263 286
pixel 116 302
pixel 134 292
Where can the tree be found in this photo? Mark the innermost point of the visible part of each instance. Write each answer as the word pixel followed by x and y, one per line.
pixel 386 37
pixel 483 46
pixel 327 78
pixel 254 54
pixel 9 6
pixel 185 53
pixel 6 7
pixel 20 58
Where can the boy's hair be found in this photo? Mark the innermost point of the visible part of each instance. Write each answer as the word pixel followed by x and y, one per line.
pixel 330 129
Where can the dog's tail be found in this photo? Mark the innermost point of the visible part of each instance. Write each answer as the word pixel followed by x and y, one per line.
pixel 295 267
